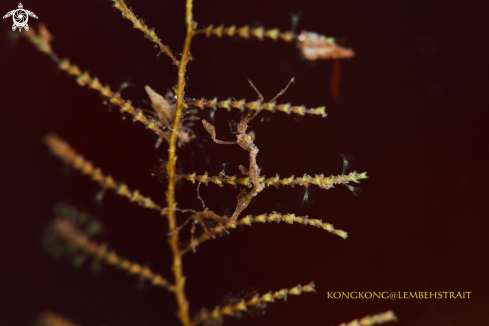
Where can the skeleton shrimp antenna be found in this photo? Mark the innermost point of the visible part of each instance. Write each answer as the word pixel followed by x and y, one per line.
pixel 260 96
pixel 290 82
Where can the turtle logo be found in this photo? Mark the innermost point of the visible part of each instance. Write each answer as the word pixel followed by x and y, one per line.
pixel 20 17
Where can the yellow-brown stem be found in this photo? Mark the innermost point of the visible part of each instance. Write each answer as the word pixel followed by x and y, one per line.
pixel 139 24
pixel 183 310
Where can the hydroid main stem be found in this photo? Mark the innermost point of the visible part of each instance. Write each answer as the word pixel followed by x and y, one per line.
pixel 177 268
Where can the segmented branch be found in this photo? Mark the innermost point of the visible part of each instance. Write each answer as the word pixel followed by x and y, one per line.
pixel 255 302
pixel 318 180
pixel 42 39
pixel 246 32
pixel 241 105
pixel 290 219
pixel 84 79
pixel 381 318
pixel 69 156
pixel 263 218
pixel 139 24
pixel 68 231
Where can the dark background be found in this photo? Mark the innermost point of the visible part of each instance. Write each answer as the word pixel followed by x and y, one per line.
pixel 412 111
